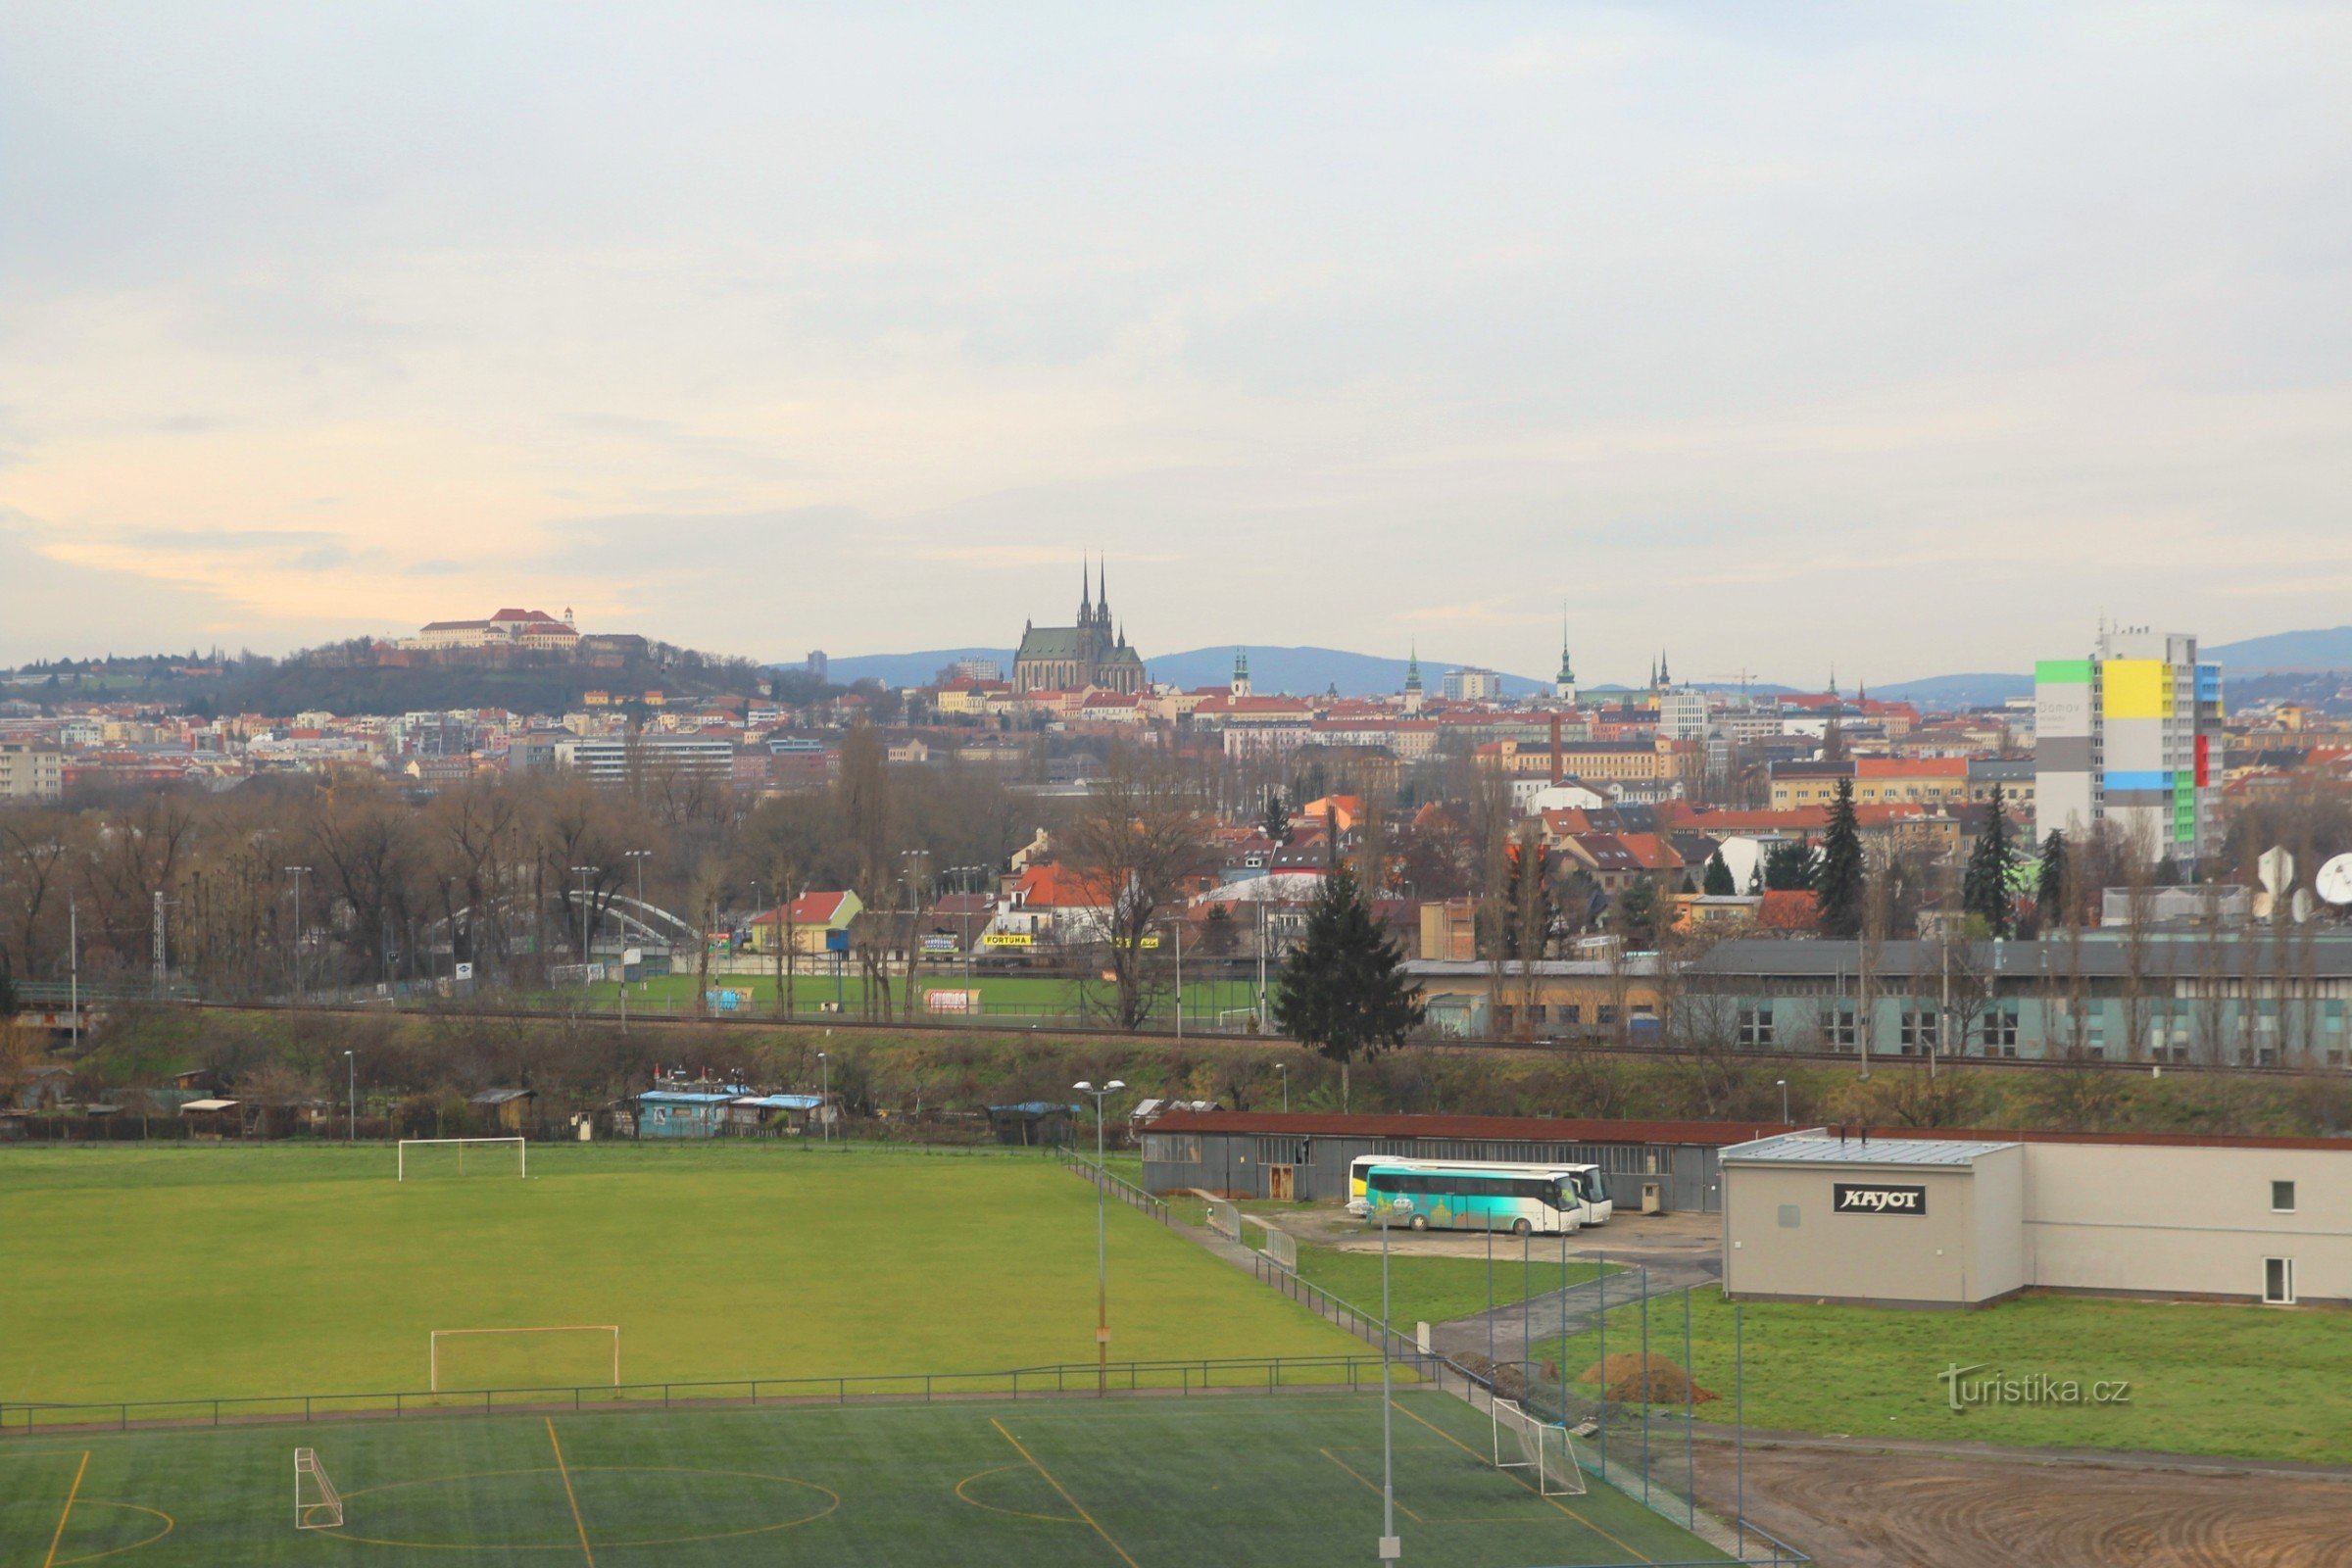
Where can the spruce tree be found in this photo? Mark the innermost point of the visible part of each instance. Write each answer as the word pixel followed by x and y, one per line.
pixel 2049 888
pixel 1276 823
pixel 1343 991
pixel 1837 880
pixel 1719 877
pixel 1984 890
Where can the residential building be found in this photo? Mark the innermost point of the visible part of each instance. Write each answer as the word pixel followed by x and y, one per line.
pixel 1470 684
pixel 2128 737
pixel 30 772
pixel 819 923
pixel 612 759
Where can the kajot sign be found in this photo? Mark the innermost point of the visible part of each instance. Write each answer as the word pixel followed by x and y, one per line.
pixel 1853 1197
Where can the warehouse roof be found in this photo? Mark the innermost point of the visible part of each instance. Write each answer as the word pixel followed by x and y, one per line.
pixel 1818 1148
pixel 1517 1129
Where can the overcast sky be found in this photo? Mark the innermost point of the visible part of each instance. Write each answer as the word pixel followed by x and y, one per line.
pixel 1905 337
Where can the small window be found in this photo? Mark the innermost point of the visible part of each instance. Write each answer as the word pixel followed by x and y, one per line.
pixel 2282 1197
pixel 1791 1217
pixel 2278 1281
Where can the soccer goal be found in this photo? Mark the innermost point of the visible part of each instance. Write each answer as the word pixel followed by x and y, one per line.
pixel 536 1357
pixel 1523 1443
pixel 315 1503
pixel 490 1155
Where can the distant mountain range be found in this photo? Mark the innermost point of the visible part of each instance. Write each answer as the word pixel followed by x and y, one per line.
pixel 1312 671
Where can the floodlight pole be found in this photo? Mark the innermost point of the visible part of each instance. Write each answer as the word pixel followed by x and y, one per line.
pixel 584 873
pixel 1086 1086
pixel 297 872
pixel 1391 1548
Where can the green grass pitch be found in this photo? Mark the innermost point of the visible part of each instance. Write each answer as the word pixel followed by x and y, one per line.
pixel 200 1272
pixel 1140 1483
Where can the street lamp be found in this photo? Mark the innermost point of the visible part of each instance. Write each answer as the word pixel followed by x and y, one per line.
pixel 1101 1253
pixel 351 1083
pixel 1782 1084
pixel 824 1097
pixel 1283 1068
pixel 298 872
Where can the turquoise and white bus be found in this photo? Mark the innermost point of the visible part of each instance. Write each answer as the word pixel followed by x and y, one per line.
pixel 1590 1189
pixel 1476 1197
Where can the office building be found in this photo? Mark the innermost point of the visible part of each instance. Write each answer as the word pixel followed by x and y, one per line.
pixel 2128 737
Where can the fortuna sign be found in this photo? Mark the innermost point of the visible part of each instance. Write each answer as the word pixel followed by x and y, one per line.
pixel 1848 1198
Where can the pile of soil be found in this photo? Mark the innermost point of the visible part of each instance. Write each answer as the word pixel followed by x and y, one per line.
pixel 1632 1378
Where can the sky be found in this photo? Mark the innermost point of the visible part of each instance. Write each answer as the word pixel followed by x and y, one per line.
pixel 1902 339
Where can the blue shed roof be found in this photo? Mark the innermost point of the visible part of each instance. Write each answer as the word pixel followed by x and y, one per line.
pixel 783 1101
pixel 678 1097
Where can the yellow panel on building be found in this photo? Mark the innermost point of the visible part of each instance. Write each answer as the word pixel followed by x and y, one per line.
pixel 2138 688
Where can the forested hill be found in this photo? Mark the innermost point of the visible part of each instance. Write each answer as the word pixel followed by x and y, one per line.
pixel 330 681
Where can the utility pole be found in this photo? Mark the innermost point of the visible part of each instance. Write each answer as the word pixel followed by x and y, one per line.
pixel 74 965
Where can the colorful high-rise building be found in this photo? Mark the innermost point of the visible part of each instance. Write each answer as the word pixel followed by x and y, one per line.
pixel 2131 737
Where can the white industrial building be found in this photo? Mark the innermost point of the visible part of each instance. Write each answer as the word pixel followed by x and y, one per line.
pixel 1938 1219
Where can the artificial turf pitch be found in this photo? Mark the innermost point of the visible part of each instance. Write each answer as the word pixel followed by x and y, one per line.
pixel 1139 1483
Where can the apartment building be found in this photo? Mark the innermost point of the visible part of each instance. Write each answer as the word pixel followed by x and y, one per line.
pixel 2129 737
pixel 30 772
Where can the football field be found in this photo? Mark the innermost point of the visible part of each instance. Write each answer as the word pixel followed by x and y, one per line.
pixel 1146 1482
pixel 178 1272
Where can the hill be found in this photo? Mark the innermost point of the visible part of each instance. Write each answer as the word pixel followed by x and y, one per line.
pixel 2330 648
pixel 1306 670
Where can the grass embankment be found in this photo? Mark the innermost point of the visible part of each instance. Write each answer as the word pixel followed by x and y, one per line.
pixel 2250 1381
pixel 1025 997
pixel 174 1272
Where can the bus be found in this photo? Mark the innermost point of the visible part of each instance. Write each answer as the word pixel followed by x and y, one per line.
pixel 1599 1206
pixel 1522 1200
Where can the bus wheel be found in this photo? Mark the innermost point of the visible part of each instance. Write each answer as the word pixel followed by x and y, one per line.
pixel 1520 1227
pixel 1420 1223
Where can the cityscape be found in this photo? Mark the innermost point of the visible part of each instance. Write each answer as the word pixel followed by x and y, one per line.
pixel 1517 787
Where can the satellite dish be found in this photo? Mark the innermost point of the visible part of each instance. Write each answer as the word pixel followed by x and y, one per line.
pixel 2301 904
pixel 2277 869
pixel 2262 903
pixel 2335 881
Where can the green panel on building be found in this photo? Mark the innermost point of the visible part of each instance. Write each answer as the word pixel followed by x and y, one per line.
pixel 2065 671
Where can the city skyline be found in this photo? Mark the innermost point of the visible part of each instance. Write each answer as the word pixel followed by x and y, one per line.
pixel 1853 339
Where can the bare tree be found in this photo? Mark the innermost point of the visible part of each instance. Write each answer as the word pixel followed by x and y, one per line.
pixel 1141 831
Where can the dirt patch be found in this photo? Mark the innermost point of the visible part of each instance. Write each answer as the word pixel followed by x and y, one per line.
pixel 1906 1510
pixel 1634 1379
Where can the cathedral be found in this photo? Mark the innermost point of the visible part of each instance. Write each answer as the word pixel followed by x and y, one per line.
pixel 1073 658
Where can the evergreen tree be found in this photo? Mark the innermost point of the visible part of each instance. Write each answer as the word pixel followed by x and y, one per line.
pixel 1837 879
pixel 2049 888
pixel 1342 992
pixel 1276 823
pixel 1789 867
pixel 1984 889
pixel 1755 878
pixel 1719 877
pixel 1637 914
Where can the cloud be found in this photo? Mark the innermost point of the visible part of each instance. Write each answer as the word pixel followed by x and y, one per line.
pixel 771 328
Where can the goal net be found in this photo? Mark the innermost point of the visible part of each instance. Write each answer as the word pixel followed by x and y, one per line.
pixel 1523 1443
pixel 570 1356
pixel 316 1504
pixel 462 1157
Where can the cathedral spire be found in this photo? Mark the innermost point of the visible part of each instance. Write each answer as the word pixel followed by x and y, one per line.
pixel 1102 593
pixel 1086 591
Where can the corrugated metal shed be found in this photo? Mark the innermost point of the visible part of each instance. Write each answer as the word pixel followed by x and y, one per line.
pixel 1813 1148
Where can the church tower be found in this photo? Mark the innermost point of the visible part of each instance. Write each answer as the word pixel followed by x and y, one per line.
pixel 1412 682
pixel 1563 685
pixel 1241 672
